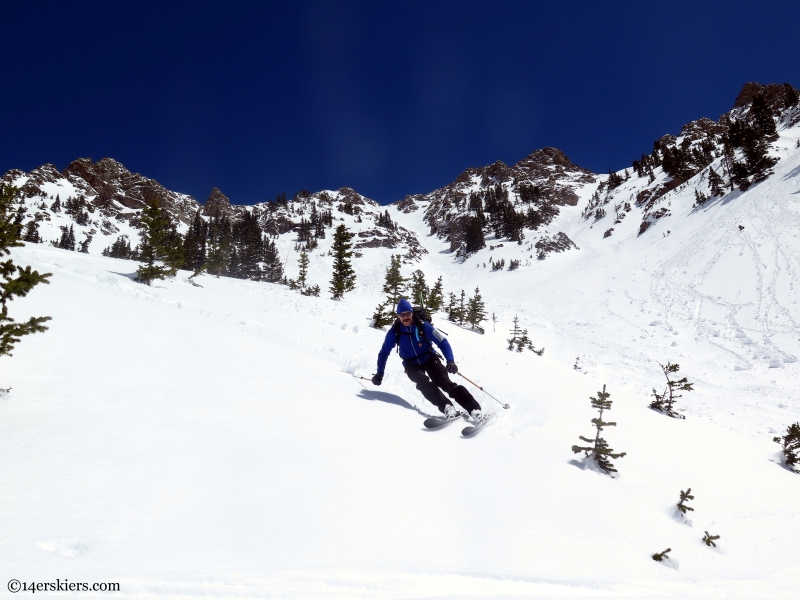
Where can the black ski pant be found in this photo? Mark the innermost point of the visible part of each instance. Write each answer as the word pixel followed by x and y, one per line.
pixel 432 375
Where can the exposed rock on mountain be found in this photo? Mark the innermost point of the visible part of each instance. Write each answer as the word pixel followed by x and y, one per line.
pixel 555 243
pixel 537 186
pixel 217 204
pixel 495 202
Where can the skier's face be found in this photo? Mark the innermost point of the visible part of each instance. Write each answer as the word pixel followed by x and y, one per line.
pixel 406 318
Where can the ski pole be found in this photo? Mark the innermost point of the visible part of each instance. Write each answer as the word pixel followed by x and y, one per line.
pixel 360 377
pixel 485 392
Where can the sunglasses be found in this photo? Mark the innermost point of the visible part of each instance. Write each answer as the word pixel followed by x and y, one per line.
pixel 405 315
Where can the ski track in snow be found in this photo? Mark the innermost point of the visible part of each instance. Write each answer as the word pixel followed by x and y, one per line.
pixel 211 442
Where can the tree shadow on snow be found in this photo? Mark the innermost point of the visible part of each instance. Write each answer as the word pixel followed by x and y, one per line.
pixel 131 276
pixel 389 399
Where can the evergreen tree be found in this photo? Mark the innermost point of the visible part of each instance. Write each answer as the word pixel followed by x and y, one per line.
pixel 194 244
pixel 762 119
pixel 419 290
pixel 685 496
pixel 218 245
pixel 302 284
pixel 394 287
pixel 121 248
pixel 302 264
pixel 344 278
pixel 790 96
pixel 56 207
pixel 600 451
pixel 659 556
pixel 67 241
pixel 710 539
pixel 160 243
pixel 790 444
pixel 32 232
pixel 452 308
pixel 516 333
pixel 248 249
pixel 385 220
pixel 664 402
pixel 462 308
pixel 757 159
pixel 17 281
pixel 524 341
pixel 273 268
pixel 715 183
pixel 476 310
pixel 436 296
pixel 303 230
pixel 699 198
pixel 84 245
pixel 473 235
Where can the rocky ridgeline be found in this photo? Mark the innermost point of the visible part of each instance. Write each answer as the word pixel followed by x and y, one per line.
pixel 543 181
pixel 283 216
pixel 712 157
pixel 517 202
pixel 102 200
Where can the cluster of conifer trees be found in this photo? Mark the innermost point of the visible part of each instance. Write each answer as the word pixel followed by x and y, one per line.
pixel 221 246
pixel 751 133
pixel 492 211
pixel 459 309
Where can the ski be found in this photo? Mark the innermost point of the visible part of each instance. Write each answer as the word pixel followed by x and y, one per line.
pixel 434 422
pixel 473 429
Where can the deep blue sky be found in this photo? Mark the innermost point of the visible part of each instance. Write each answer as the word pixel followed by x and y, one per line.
pixel 262 97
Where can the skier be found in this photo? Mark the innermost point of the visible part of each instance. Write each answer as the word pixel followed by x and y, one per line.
pixel 415 338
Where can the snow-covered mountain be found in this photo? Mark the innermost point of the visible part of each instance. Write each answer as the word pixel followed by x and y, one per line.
pixel 193 441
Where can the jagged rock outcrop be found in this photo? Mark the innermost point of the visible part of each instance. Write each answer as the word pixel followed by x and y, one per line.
pixel 559 242
pixel 217 204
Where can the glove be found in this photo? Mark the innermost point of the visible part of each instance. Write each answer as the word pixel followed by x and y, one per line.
pixel 451 367
pixel 377 379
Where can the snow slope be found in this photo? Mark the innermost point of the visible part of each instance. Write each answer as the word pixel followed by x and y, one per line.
pixel 190 442
pixel 211 442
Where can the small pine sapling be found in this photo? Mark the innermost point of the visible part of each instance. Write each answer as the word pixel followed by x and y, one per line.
pixel 790 444
pixel 659 556
pixel 709 539
pixel 600 450
pixel 476 310
pixel 523 341
pixel 682 506
pixel 515 334
pixel 577 365
pixel 664 402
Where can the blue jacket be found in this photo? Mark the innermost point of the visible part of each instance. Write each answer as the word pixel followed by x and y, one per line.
pixel 414 348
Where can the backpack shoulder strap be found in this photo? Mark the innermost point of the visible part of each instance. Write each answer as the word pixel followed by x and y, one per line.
pixel 420 324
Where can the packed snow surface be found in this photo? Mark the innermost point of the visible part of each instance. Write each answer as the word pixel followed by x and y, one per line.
pixel 212 441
